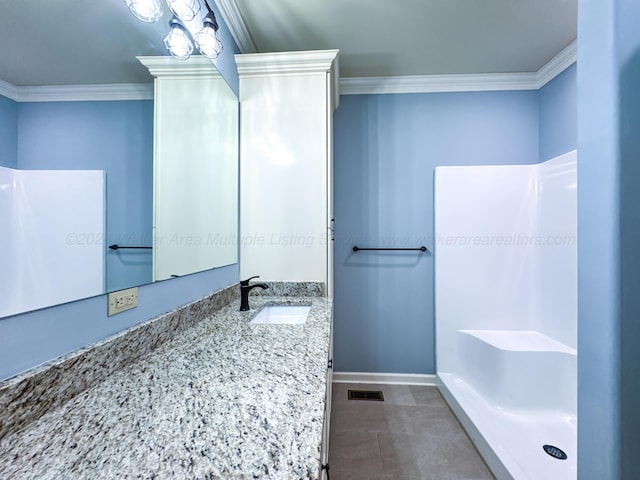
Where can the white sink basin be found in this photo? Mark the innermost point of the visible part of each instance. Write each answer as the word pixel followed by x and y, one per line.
pixel 282 314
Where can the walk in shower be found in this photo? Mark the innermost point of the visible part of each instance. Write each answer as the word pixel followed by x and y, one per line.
pixel 506 311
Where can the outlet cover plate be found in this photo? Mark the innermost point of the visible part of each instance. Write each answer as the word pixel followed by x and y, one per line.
pixel 122 300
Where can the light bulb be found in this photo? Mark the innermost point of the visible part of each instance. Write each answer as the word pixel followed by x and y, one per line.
pixel 177 41
pixel 146 10
pixel 207 38
pixel 185 10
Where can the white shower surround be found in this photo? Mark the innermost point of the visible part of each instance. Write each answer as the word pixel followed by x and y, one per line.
pixel 506 310
pixel 53 239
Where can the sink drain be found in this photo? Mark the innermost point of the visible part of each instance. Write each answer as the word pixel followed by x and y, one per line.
pixel 555 452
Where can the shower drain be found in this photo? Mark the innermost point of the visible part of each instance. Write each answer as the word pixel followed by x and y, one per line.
pixel 555 452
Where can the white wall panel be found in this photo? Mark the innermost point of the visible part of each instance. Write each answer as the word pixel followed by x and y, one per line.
pixel 557 259
pixel 51 258
pixel 506 243
pixel 484 217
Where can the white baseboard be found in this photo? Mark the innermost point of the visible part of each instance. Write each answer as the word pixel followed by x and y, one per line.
pixel 385 378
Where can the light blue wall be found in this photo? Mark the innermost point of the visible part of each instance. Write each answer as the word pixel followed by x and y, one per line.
pixel 8 132
pixel 226 62
pixel 629 197
pixel 608 231
pixel 558 119
pixel 385 150
pixel 30 339
pixel 116 137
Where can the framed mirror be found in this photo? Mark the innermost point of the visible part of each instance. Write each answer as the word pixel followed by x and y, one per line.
pixel 77 114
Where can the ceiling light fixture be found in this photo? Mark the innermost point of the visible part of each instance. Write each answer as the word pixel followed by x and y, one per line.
pixel 183 26
pixel 207 38
pixel 146 10
pixel 185 10
pixel 178 41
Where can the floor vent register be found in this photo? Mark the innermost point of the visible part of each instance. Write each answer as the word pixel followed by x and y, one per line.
pixel 372 395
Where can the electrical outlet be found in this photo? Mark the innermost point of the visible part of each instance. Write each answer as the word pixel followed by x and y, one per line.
pixel 122 300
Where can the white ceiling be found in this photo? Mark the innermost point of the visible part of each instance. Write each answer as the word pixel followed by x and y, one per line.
pixel 416 37
pixel 84 42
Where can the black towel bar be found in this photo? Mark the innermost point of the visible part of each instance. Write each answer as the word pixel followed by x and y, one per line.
pixel 422 249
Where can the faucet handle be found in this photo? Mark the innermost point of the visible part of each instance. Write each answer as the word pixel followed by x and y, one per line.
pixel 245 283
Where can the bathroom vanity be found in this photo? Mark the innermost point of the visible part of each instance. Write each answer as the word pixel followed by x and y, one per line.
pixel 220 399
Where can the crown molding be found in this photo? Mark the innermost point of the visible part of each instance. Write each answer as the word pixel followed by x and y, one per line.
pixel 462 83
pixel 194 66
pixel 438 83
pixel 296 62
pixel 77 93
pixel 265 64
pixel 557 64
pixel 293 63
pixel 9 90
pixel 232 17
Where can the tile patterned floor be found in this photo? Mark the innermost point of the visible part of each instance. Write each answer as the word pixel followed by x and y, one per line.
pixel 412 435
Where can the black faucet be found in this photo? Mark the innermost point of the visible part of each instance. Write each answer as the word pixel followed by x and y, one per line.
pixel 245 288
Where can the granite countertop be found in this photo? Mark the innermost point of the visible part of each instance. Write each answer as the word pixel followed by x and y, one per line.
pixel 222 400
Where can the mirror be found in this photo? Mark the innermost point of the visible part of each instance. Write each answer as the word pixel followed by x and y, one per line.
pixel 98 120
pixel 195 167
